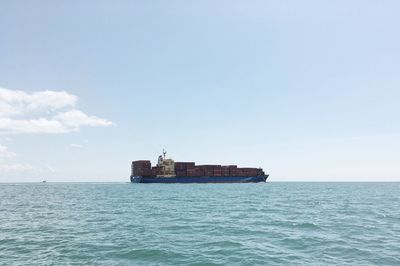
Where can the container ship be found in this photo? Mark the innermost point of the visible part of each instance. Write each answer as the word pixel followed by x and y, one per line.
pixel 169 171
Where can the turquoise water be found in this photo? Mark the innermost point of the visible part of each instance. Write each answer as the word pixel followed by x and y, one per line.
pixel 200 224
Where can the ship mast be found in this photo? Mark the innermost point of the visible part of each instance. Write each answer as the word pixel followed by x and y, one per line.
pixel 164 153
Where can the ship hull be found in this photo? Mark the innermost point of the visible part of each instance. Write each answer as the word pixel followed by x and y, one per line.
pixel 200 179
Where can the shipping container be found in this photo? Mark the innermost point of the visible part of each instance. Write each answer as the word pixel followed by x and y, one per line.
pixel 209 173
pixel 191 172
pixel 180 172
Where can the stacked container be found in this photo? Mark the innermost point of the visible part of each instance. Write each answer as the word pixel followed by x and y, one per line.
pixel 141 168
pixel 249 171
pixel 198 171
pixel 232 170
pixel 191 171
pixel 184 168
pixel 156 170
pixel 208 169
pixel 225 170
pixel 217 171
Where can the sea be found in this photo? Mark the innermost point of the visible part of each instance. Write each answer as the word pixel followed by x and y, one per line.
pixel 200 224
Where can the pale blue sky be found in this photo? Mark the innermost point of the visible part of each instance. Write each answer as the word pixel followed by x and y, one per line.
pixel 309 90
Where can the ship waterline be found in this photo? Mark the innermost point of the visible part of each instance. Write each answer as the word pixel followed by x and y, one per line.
pixel 200 179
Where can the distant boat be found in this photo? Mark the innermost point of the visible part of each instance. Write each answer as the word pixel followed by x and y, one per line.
pixel 44 181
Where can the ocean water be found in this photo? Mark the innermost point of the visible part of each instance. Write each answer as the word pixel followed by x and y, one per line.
pixel 200 224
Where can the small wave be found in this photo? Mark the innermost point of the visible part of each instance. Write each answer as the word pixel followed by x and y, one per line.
pixel 306 225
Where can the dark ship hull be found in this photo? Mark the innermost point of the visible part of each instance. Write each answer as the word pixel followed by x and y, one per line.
pixel 200 179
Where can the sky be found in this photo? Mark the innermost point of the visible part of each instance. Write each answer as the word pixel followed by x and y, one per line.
pixel 308 90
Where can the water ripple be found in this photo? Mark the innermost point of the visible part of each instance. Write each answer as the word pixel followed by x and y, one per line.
pixel 209 224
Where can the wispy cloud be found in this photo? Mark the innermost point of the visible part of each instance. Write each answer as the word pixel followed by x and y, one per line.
pixel 10 166
pixel 5 152
pixel 50 112
pixel 76 146
pixel 15 168
pixel 8 163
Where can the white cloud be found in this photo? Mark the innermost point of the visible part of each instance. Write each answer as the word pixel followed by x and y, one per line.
pixel 76 118
pixel 15 102
pixel 41 125
pixel 17 106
